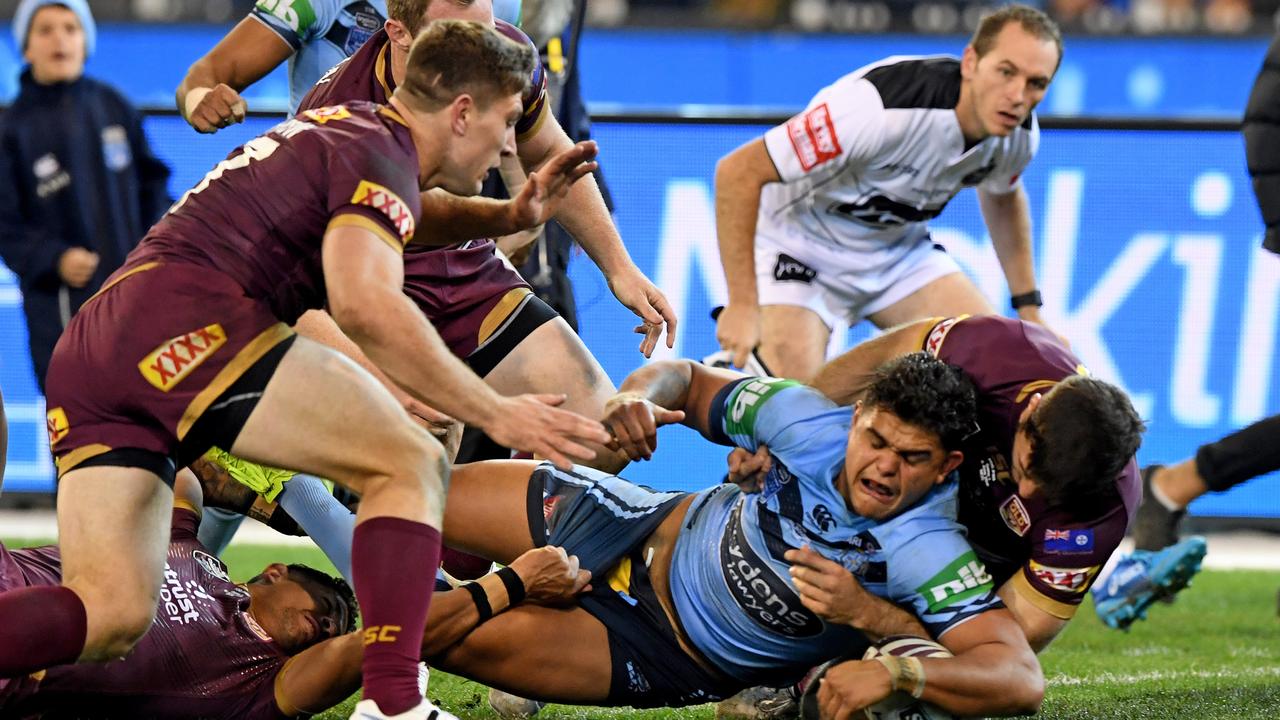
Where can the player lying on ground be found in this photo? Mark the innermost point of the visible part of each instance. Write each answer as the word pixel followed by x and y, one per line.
pixel 280 645
pixel 693 597
pixel 188 346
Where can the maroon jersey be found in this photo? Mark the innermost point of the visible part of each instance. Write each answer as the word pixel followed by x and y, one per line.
pixel 204 656
pixel 366 75
pixel 260 215
pixel 1053 554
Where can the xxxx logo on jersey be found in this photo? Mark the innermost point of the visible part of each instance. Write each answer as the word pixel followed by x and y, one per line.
pixel 176 358
pixel 388 203
pixel 325 114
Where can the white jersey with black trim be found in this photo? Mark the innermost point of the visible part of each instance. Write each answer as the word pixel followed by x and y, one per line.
pixel 879 153
pixel 731 587
pixel 322 34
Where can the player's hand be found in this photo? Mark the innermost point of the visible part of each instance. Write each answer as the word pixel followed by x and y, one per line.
pixel 547 187
pixel 550 575
pixel 825 586
pixel 220 490
pixel 532 423
pixel 849 687
pixel 441 426
pixel 208 110
pixel 643 298
pixel 747 470
pixel 738 331
pixel 516 245
pixel 76 266
pixel 633 422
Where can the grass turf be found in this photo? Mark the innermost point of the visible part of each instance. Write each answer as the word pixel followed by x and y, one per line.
pixel 1215 653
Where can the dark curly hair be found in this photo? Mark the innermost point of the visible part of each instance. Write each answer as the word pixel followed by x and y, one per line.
pixel 306 574
pixel 1082 435
pixel 928 393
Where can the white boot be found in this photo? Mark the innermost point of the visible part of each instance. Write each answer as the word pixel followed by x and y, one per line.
pixel 513 707
pixel 368 710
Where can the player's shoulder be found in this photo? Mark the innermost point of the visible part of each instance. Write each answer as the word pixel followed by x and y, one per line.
pixel 914 82
pixel 512 32
pixel 298 16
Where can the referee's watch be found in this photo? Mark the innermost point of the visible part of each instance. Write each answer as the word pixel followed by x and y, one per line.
pixel 1027 298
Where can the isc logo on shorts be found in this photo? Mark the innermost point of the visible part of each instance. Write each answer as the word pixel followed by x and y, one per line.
pixel 388 203
pixel 168 364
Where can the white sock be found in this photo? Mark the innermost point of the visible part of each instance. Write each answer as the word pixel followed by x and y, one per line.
pixel 1163 499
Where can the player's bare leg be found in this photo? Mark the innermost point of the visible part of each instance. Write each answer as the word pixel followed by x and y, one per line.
pixel 949 295
pixel 324 415
pixel 542 653
pixel 552 359
pixel 488 509
pixel 793 341
pixel 113 531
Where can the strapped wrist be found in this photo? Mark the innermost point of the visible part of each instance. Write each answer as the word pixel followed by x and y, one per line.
pixel 905 673
pixel 1022 300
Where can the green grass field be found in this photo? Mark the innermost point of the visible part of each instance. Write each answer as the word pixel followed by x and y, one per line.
pixel 1215 653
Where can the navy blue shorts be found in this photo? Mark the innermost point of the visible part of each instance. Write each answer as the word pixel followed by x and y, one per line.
pixel 604 520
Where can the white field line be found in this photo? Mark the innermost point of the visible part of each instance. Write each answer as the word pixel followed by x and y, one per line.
pixel 1104 679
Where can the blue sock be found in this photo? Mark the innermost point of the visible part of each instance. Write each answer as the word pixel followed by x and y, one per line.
pixel 217 527
pixel 329 523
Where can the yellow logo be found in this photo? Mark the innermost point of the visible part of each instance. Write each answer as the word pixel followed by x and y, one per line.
pixel 55 422
pixel 380 634
pixel 388 203
pixel 168 364
pixel 325 114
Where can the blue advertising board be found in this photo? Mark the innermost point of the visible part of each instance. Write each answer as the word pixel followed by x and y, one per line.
pixel 1157 77
pixel 1146 249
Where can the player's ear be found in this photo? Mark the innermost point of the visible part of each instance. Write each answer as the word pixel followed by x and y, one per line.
pixel 952 461
pixel 274 573
pixel 399 34
pixel 460 112
pixel 968 62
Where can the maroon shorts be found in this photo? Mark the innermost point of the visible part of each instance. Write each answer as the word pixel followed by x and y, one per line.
pixel 145 357
pixel 466 292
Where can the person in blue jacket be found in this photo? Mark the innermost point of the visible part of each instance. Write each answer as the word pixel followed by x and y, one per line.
pixel 82 185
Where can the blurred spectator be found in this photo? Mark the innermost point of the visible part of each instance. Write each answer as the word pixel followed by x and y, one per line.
pixel 82 185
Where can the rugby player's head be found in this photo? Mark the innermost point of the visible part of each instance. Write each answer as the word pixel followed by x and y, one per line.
pixel 1006 70
pixel 1072 443
pixel 299 606
pixel 406 18
pixel 464 80
pixel 907 433
pixel 55 38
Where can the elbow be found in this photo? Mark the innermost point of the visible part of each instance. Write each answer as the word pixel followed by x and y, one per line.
pixel 359 321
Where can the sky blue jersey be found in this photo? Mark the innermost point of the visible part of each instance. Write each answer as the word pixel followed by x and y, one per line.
pixel 731 587
pixel 322 34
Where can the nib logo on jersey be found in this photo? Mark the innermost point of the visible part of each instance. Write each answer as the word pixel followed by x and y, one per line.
pixel 766 598
pixel 966 577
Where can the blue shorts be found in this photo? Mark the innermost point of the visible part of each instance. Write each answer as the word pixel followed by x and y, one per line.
pixel 594 515
pixel 604 520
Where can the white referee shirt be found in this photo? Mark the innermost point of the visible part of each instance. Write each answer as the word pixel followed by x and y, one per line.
pixel 880 152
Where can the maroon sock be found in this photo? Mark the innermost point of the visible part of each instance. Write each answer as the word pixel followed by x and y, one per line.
pixel 39 627
pixel 464 566
pixel 393 563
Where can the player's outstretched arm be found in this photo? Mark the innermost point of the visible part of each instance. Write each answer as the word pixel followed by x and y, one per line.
pixel 328 673
pixel 449 218
pixel 363 276
pixel 993 672
pixel 209 96
pixel 586 217
pixel 740 176
pixel 1008 218
pixel 843 379
pixel 660 393
pixel 1039 626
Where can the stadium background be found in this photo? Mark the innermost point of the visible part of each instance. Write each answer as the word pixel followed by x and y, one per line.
pixel 1146 228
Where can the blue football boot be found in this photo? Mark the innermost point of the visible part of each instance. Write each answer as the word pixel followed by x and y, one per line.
pixel 1144 577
